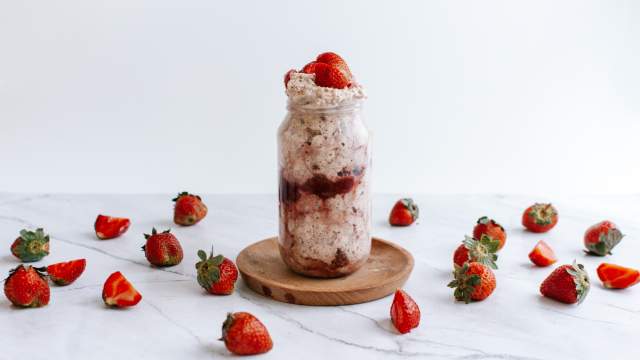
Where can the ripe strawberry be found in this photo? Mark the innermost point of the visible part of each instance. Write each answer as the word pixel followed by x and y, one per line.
pixel 482 251
pixel 405 314
pixel 472 281
pixel 287 77
pixel 336 61
pixel 244 334
pixel 310 68
pixel 330 76
pixel 601 238
pixel 542 255
pixel 216 274
pixel 404 213
pixel 162 249
pixel 27 287
pixel 67 272
pixel 567 283
pixel 118 292
pixel 31 246
pixel 189 209
pixel 108 227
pixel 617 277
pixel 540 218
pixel 492 229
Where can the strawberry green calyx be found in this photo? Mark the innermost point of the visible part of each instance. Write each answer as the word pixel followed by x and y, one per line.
pixel 208 269
pixel 228 322
pixel 483 250
pixel 31 245
pixel 412 207
pixel 184 193
pixel 155 232
pixel 543 214
pixel 606 242
pixel 581 279
pixel 463 283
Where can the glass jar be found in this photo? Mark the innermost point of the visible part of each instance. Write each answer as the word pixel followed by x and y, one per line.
pixel 324 197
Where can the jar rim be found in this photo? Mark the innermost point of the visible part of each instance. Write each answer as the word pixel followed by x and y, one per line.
pixel 343 106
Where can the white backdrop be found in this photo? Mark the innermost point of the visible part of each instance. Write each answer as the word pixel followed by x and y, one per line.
pixel 535 97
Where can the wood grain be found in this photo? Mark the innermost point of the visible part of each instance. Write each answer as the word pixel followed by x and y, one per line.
pixel 386 270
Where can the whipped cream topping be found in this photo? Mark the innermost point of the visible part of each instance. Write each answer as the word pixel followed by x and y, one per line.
pixel 302 90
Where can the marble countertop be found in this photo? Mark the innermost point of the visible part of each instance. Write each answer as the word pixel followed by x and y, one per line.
pixel 177 319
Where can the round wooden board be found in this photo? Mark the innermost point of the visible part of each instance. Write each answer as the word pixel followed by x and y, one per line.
pixel 386 270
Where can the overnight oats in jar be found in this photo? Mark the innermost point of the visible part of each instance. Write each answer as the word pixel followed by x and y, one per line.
pixel 324 170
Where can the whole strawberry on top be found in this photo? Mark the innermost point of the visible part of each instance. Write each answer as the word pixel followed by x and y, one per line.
pixel 567 283
pixel 189 209
pixel 162 249
pixel 602 237
pixel 330 71
pixel 109 227
pixel 244 334
pixel 216 274
pixel 540 218
pixel 482 251
pixel 404 212
pixel 31 246
pixel 27 287
pixel 472 282
pixel 405 313
pixel 490 228
pixel 67 272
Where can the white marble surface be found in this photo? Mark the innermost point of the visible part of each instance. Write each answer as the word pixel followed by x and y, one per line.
pixel 176 319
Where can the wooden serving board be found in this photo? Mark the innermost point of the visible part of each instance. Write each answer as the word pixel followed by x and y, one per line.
pixel 386 270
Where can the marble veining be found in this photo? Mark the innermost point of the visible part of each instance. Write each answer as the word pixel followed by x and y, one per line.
pixel 176 319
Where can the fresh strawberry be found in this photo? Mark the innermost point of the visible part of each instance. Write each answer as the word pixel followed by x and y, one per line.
pixel 330 76
pixel 601 238
pixel 189 209
pixel 31 246
pixel 472 281
pixel 244 334
pixel 162 249
pixel 492 229
pixel 567 283
pixel 335 60
pixel 482 251
pixel 287 77
pixel 405 314
pixel 216 274
pixel 540 218
pixel 617 277
pixel 542 255
pixel 404 213
pixel 118 292
pixel 67 272
pixel 310 68
pixel 108 227
pixel 27 287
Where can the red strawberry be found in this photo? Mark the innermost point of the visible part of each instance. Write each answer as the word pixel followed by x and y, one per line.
pixel 287 77
pixel 472 281
pixel 540 218
pixel 189 209
pixel 492 229
pixel 244 334
pixel 27 287
pixel 617 277
pixel 108 227
pixel 67 272
pixel 482 251
pixel 404 213
pixel 542 255
pixel 216 274
pixel 335 60
pixel 162 249
pixel 310 68
pixel 567 283
pixel 601 238
pixel 330 76
pixel 405 314
pixel 31 246
pixel 118 292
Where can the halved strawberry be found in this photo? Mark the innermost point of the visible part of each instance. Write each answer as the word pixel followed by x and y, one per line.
pixel 108 227
pixel 542 255
pixel 335 60
pixel 405 314
pixel 67 272
pixel 617 277
pixel 119 292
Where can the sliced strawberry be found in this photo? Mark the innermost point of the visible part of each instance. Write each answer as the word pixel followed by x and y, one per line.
pixel 405 314
pixel 108 227
pixel 310 68
pixel 617 277
pixel 118 291
pixel 335 60
pixel 330 76
pixel 542 255
pixel 66 272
